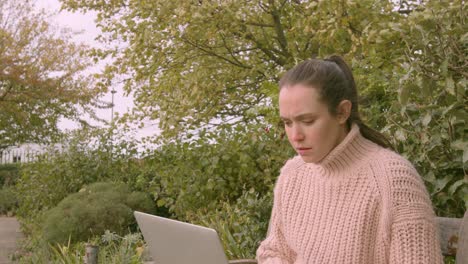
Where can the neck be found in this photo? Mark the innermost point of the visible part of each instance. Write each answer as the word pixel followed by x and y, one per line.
pixel 352 148
pixel 344 132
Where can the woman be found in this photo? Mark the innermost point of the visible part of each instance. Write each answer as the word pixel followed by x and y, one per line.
pixel 346 198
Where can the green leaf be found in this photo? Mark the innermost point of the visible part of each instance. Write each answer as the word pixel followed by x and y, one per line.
pixel 161 202
pixel 400 135
pixel 465 198
pixel 459 144
pixel 444 67
pixel 450 85
pixel 440 184
pixel 465 155
pixel 427 119
pixel 456 185
pixel 405 92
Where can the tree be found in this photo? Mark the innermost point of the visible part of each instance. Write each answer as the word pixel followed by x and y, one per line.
pixel 40 76
pixel 194 63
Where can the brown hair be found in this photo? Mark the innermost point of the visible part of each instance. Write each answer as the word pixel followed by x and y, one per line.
pixel 335 81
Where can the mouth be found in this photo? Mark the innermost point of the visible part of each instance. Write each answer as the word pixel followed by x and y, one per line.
pixel 302 151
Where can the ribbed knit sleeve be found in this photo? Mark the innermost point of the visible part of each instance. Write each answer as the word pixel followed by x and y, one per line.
pixel 414 235
pixel 274 249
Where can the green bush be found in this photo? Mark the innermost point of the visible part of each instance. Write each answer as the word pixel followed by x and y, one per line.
pixel 216 168
pixel 242 225
pixel 9 174
pixel 8 200
pixel 93 210
pixel 87 158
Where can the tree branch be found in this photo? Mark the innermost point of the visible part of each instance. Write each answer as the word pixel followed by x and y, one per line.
pixel 212 53
pixel 230 50
pixel 7 90
pixel 266 50
pixel 275 13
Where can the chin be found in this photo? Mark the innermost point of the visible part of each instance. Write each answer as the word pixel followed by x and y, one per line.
pixel 308 159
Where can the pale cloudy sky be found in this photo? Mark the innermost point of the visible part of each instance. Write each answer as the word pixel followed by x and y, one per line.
pixel 84 23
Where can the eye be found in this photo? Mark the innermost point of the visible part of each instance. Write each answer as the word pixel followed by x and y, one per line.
pixel 309 122
pixel 287 123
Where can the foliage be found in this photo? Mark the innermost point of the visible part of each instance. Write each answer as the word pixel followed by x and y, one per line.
pixel 242 225
pixel 94 209
pixel 216 168
pixel 41 76
pixel 86 158
pixel 201 64
pixel 8 200
pixel 429 118
pixel 127 249
pixel 195 62
pixel 9 174
pixel 112 249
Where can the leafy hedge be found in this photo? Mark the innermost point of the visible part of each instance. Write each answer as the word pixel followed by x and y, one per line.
pixel 216 168
pixel 428 122
pixel 226 185
pixel 241 225
pixel 8 200
pixel 9 174
pixel 93 210
pixel 87 159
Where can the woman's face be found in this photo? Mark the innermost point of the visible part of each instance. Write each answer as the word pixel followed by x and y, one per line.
pixel 311 129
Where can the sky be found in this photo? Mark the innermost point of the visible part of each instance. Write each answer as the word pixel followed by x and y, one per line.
pixel 84 24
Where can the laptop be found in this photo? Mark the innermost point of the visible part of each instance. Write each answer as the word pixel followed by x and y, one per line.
pixel 173 242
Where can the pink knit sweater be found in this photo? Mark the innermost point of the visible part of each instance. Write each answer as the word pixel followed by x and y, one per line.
pixel 361 204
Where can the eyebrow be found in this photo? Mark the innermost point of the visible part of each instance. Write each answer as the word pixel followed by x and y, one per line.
pixel 300 117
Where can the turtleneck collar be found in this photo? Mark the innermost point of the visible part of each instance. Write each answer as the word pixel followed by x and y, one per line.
pixel 347 153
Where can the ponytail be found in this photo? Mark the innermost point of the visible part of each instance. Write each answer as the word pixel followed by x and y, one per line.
pixel 367 132
pixel 374 135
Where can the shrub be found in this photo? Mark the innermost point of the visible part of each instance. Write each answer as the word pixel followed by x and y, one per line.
pixel 112 249
pixel 87 159
pixel 8 200
pixel 9 174
pixel 242 225
pixel 96 208
pixel 216 168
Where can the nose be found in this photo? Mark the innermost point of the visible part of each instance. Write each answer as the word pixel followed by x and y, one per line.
pixel 297 133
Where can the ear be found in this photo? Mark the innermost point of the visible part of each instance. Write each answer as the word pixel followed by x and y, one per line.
pixel 343 111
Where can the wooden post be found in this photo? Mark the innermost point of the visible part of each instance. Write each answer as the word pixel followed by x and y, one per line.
pixel 462 254
pixel 243 261
pixel 448 229
pixel 91 255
